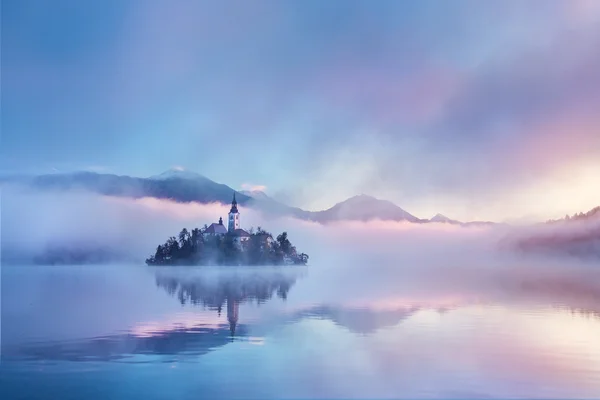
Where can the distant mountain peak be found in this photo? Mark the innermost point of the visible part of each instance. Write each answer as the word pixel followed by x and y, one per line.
pixel 363 208
pixel 440 218
pixel 177 173
pixel 361 198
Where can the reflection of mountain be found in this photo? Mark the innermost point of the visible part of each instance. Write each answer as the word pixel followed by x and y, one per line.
pixel 361 320
pixel 214 290
pixel 232 289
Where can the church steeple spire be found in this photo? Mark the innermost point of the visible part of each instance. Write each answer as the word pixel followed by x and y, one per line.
pixel 234 216
pixel 234 205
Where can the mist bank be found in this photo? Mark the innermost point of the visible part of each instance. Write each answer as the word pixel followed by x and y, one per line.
pixel 577 237
pixel 91 228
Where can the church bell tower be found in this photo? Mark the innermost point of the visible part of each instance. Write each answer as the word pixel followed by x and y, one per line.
pixel 234 216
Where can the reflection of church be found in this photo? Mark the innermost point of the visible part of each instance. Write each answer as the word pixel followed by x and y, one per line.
pixel 233 227
pixel 228 289
pixel 233 311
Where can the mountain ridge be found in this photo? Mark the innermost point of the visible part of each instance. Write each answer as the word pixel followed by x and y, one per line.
pixel 185 186
pixel 176 188
pixel 178 173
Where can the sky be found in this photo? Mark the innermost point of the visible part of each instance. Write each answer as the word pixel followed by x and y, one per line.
pixel 477 110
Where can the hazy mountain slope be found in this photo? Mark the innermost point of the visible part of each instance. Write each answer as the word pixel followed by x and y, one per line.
pixel 179 173
pixel 270 207
pixel 256 194
pixel 583 243
pixel 442 219
pixel 576 236
pixel 177 188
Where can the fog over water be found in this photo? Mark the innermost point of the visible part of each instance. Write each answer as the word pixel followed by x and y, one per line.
pixel 382 310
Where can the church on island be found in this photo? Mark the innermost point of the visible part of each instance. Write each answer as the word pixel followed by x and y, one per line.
pixel 233 226
pixel 229 245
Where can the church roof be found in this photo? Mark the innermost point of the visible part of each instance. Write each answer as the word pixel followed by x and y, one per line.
pixel 216 229
pixel 240 232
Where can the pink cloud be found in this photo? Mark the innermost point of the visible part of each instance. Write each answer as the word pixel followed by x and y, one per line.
pixel 571 135
pixel 252 187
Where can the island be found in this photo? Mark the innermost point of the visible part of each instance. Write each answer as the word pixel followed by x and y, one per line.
pixel 233 246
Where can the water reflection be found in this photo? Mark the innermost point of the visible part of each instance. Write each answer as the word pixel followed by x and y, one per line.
pixel 190 341
pixel 206 294
pixel 386 333
pixel 361 320
pixel 213 290
pixel 190 334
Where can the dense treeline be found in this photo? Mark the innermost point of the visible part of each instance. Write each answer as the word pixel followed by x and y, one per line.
pixel 197 248
pixel 594 212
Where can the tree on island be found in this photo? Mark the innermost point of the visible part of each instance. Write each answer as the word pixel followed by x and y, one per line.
pixel 198 248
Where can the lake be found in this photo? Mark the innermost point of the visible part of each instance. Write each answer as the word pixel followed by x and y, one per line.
pixel 368 331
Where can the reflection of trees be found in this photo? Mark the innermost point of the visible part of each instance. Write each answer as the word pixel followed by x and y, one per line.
pixel 580 294
pixel 581 312
pixel 214 290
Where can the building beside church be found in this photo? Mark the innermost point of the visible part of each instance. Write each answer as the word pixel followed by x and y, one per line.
pixel 233 226
pixel 216 228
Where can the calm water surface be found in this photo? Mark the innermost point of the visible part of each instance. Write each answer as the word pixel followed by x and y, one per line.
pixel 137 332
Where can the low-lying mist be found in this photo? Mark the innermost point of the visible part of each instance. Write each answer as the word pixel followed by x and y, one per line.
pixel 34 221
